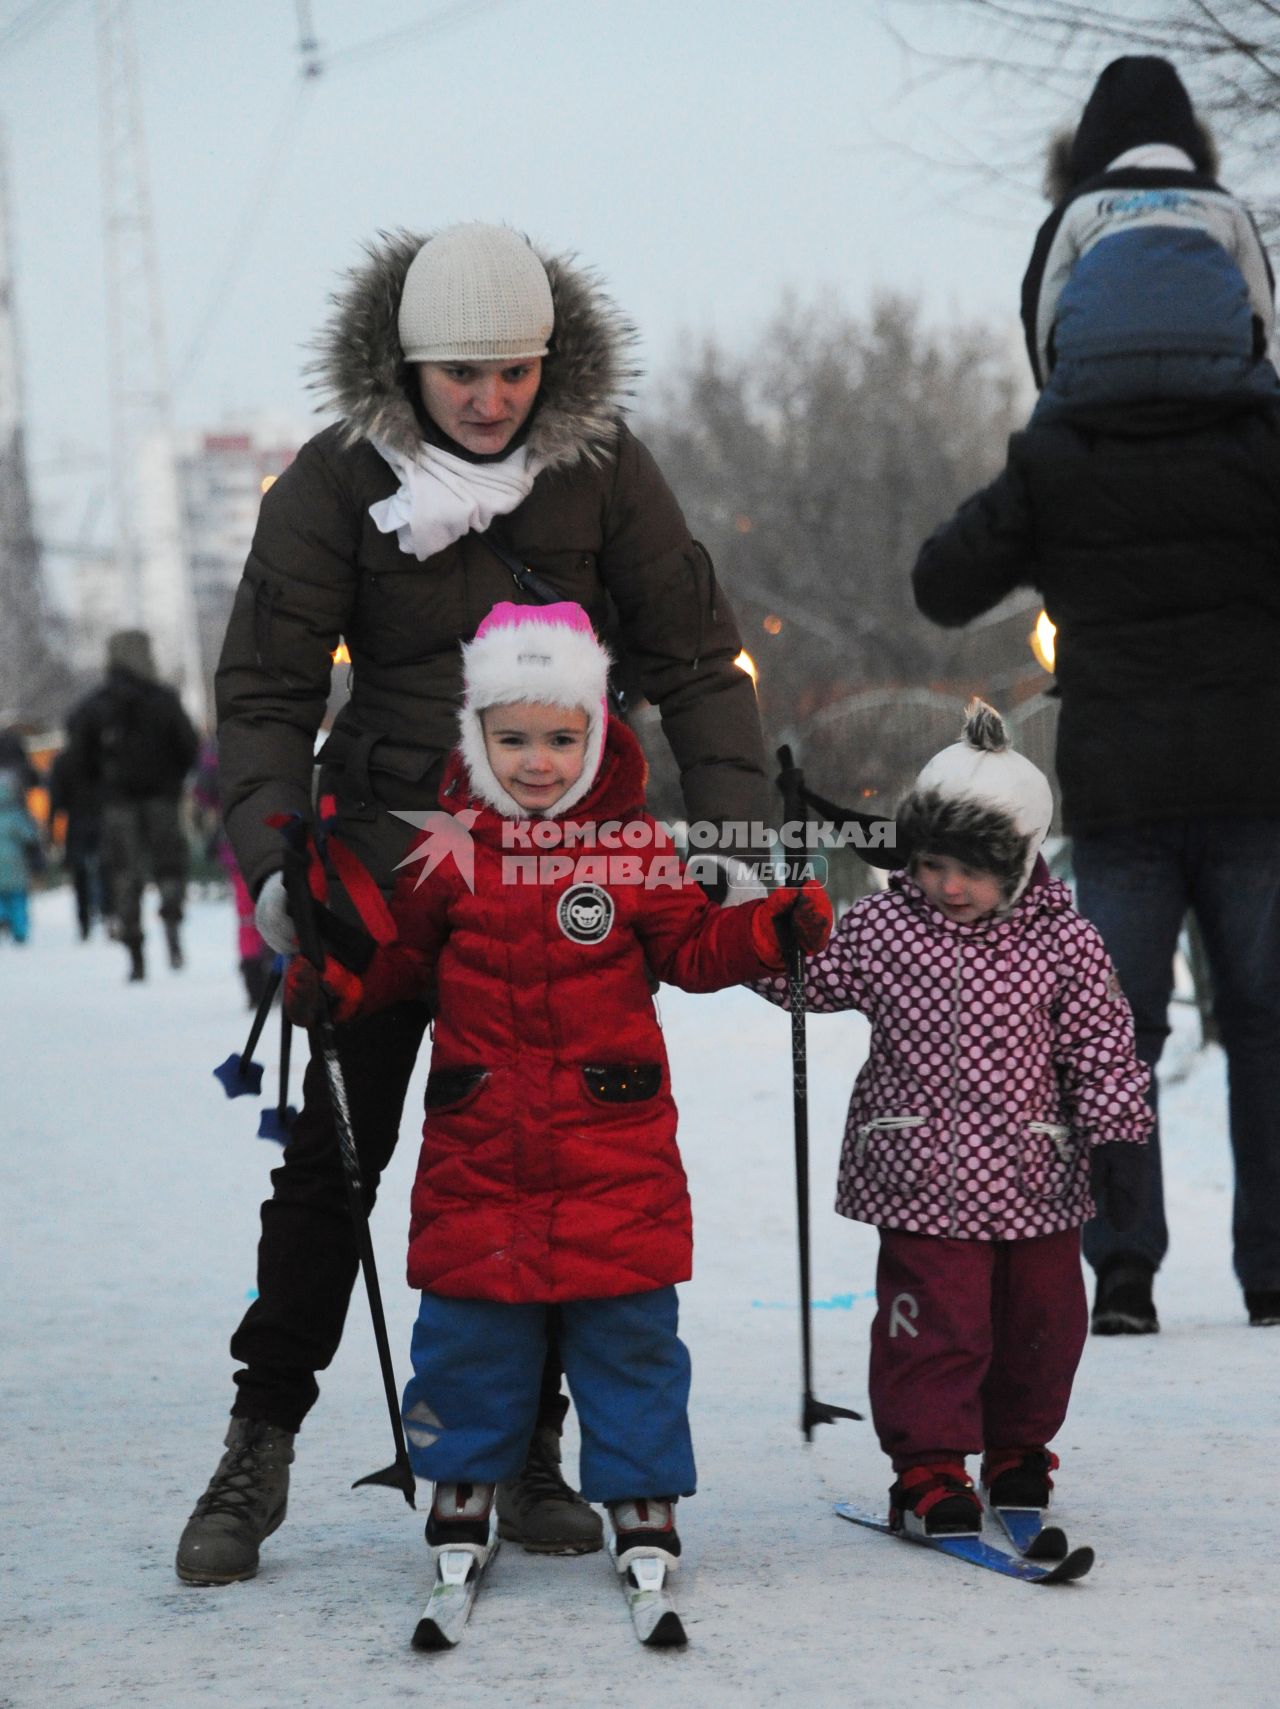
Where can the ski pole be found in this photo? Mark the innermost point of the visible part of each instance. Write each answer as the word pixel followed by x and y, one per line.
pixel 240 1075
pixel 398 1475
pixel 812 1410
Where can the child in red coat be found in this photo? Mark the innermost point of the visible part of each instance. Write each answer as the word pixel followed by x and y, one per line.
pixel 538 903
pixel 1001 1085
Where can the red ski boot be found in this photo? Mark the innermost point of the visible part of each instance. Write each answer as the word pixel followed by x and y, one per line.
pixel 936 1500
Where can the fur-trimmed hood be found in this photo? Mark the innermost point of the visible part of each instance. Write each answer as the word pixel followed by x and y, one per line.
pixel 587 375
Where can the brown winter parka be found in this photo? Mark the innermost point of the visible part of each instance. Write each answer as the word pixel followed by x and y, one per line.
pixel 600 525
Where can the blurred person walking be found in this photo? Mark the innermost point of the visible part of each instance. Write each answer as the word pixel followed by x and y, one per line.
pixel 77 801
pixel 20 857
pixel 132 740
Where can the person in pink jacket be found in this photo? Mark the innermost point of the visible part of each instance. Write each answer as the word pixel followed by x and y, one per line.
pixel 1000 1094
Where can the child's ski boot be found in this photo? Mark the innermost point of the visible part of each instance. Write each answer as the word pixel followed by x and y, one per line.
pixel 936 1500
pixel 1018 1477
pixel 645 1547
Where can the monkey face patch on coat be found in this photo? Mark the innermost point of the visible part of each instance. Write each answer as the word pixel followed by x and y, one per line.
pixel 585 913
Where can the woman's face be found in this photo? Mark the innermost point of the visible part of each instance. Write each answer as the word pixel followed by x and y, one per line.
pixel 482 405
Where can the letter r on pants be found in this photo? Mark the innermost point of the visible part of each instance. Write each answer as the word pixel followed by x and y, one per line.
pixel 903 1313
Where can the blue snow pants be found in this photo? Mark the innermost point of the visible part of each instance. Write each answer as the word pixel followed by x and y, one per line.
pixel 471 1405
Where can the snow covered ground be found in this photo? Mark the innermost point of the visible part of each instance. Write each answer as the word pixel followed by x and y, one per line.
pixel 131 1188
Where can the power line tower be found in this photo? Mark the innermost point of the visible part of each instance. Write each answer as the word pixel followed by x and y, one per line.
pixel 151 555
pixel 34 682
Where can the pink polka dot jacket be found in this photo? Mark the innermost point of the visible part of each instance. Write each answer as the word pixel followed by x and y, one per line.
pixel 1000 1052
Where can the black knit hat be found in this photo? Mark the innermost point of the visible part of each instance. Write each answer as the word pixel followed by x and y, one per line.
pixel 1138 99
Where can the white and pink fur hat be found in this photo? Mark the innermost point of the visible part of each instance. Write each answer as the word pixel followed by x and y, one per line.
pixel 544 654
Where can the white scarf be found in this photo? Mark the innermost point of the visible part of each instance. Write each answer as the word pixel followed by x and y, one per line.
pixel 442 497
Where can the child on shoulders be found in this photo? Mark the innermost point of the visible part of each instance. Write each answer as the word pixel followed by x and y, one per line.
pixel 1148 282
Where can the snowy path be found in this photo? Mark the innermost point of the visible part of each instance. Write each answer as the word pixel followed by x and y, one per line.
pixel 131 1187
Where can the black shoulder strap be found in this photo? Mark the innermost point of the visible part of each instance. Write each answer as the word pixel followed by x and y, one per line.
pixel 530 582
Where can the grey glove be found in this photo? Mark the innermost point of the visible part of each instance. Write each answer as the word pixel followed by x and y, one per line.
pixel 725 879
pixel 271 916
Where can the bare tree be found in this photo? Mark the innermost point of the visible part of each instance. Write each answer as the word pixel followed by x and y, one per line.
pixel 1045 54
pixel 812 466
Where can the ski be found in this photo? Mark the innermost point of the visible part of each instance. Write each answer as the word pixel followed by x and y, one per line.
pixel 644 1584
pixel 977 1553
pixel 459 1572
pixel 1031 1537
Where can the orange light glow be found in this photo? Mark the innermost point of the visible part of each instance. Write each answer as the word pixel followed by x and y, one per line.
pixel 342 656
pixel 772 624
pixel 1042 639
pixel 743 524
pixel 746 663
pixel 267 482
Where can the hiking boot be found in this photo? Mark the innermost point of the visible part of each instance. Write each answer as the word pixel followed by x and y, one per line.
pixel 646 1526
pixel 538 1509
pixel 244 1503
pixel 173 942
pixel 459 1517
pixel 1263 1305
pixel 935 1501
pixel 1123 1304
pixel 1018 1477
pixel 137 963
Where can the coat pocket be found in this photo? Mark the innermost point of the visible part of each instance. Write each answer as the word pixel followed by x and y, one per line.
pixel 453 1088
pixel 622 1082
pixel 890 1151
pixel 1050 1160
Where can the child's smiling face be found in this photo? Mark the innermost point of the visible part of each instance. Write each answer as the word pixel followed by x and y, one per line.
pixel 963 893
pixel 537 752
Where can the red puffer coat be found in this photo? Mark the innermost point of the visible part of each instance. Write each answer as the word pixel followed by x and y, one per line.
pixel 1000 1052
pixel 549 1168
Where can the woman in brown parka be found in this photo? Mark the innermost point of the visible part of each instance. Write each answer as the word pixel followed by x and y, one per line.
pixel 480 386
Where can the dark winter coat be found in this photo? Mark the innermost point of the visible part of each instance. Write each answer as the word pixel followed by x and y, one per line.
pixel 600 525
pixel 1157 554
pixel 131 740
pixel 80 799
pixel 1000 1053
pixel 549 1168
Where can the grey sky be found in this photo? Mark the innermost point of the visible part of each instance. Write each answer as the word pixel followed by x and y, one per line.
pixel 705 154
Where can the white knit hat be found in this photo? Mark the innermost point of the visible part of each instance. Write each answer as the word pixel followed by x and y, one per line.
pixel 547 655
pixel 475 293
pixel 980 803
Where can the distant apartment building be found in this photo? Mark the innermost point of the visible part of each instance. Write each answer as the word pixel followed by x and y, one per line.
pixel 222 477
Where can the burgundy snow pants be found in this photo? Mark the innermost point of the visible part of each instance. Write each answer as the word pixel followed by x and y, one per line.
pixel 975 1343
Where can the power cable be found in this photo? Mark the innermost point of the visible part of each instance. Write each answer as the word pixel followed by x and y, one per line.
pixel 29 22
pixel 461 13
pixel 314 64
pixel 243 236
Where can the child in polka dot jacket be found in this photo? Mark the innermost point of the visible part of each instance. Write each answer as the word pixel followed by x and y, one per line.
pixel 1001 1086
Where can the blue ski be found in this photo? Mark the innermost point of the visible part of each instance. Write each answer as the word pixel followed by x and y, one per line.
pixel 1031 1537
pixel 979 1554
